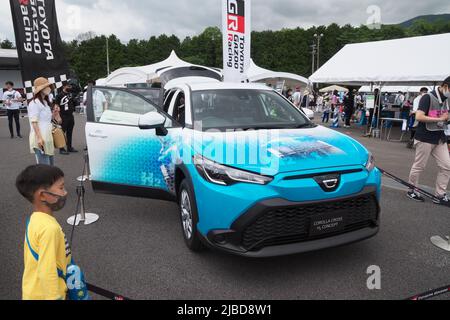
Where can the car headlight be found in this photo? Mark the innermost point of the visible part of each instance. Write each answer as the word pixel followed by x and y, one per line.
pixel 224 175
pixel 370 165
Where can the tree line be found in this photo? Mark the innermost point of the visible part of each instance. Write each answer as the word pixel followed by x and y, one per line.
pixel 287 50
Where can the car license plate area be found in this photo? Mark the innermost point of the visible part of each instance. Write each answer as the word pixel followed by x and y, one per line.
pixel 327 223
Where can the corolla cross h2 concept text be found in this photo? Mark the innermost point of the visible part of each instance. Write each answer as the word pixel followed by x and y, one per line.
pixel 252 175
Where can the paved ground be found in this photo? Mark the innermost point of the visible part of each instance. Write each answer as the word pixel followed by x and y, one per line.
pixel 137 247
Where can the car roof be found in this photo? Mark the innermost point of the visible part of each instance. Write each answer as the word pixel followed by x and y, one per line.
pixel 210 85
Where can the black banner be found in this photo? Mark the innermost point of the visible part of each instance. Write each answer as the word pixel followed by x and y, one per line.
pixel 38 42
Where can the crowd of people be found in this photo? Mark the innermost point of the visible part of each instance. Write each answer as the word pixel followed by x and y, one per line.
pixel 334 105
pixel 428 121
pixel 46 113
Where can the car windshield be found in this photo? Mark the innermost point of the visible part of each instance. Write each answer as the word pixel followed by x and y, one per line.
pixel 244 109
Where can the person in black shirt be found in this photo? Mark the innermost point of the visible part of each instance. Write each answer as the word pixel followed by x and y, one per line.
pixel 431 140
pixel 66 103
pixel 349 108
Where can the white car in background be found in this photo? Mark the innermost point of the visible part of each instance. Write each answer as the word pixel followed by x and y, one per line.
pixel 309 113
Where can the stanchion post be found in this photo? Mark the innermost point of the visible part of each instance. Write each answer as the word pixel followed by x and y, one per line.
pixel 83 217
pixel 87 172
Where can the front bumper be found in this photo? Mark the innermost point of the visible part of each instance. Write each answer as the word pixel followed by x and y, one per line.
pixel 279 227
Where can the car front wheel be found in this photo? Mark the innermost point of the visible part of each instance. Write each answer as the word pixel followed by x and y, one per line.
pixel 189 217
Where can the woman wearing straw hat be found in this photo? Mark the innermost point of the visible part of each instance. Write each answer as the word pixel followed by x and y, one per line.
pixel 40 115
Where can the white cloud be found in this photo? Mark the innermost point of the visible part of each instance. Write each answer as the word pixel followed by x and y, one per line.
pixel 142 19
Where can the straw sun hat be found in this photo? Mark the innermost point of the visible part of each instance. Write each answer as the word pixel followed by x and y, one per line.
pixel 40 84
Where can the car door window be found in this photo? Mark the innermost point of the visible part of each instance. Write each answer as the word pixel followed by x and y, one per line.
pixel 112 106
pixel 168 99
pixel 179 109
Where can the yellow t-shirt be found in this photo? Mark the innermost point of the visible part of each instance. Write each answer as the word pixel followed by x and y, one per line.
pixel 40 278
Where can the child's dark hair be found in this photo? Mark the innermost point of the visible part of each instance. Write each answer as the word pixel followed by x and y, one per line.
pixel 446 81
pixel 36 177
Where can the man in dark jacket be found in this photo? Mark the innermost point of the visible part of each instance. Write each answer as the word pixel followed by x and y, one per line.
pixel 66 103
pixel 349 108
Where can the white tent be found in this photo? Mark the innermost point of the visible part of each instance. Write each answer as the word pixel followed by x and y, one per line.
pixel 394 89
pixel 258 74
pixel 144 74
pixel 333 88
pixel 10 67
pixel 410 61
pixel 101 82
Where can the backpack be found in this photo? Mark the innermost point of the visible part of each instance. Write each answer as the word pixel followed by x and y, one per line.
pixel 437 108
pixel 74 277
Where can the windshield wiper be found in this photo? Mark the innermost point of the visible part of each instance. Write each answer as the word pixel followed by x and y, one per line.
pixel 306 125
pixel 262 128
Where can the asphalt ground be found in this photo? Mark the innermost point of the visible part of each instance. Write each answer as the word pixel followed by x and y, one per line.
pixel 137 249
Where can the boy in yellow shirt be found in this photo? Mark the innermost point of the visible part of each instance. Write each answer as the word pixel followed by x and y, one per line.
pixel 47 253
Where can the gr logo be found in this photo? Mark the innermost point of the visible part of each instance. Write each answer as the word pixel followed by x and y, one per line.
pixel 236 16
pixel 374 280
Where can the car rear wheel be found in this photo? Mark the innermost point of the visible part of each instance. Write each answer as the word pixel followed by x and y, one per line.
pixel 189 217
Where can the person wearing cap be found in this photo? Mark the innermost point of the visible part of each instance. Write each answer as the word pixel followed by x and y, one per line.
pixel 65 103
pixel 40 116
pixel 431 140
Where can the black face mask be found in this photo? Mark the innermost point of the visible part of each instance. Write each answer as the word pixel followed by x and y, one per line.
pixel 58 205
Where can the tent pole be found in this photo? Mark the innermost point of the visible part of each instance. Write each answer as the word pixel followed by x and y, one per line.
pixel 379 107
pixel 371 123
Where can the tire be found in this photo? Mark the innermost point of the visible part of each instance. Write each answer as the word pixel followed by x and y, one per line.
pixel 189 217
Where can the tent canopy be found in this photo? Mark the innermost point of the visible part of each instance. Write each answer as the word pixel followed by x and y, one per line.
pixel 394 89
pixel 144 74
pixel 147 74
pixel 258 74
pixel 9 59
pixel 333 88
pixel 410 61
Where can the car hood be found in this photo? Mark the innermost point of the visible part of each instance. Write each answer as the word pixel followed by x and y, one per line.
pixel 271 152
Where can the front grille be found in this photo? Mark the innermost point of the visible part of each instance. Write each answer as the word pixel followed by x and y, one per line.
pixel 292 224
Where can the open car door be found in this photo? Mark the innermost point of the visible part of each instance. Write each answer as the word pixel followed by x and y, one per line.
pixel 125 157
pixel 155 95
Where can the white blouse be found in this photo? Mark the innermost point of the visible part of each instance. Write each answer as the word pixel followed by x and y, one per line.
pixel 41 114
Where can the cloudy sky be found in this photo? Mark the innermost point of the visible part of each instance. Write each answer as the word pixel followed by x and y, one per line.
pixel 142 19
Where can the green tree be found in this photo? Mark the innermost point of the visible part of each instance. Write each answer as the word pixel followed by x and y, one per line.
pixel 283 50
pixel 6 44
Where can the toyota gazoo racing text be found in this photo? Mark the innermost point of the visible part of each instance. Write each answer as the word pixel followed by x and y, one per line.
pixel 252 175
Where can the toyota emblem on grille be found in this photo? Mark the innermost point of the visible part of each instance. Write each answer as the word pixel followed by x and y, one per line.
pixel 329 183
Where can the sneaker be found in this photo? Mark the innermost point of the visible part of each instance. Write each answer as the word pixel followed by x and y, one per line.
pixel 20 137
pixel 414 196
pixel 72 150
pixel 443 201
pixel 63 152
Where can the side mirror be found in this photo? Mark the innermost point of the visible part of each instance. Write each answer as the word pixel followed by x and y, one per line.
pixel 152 120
